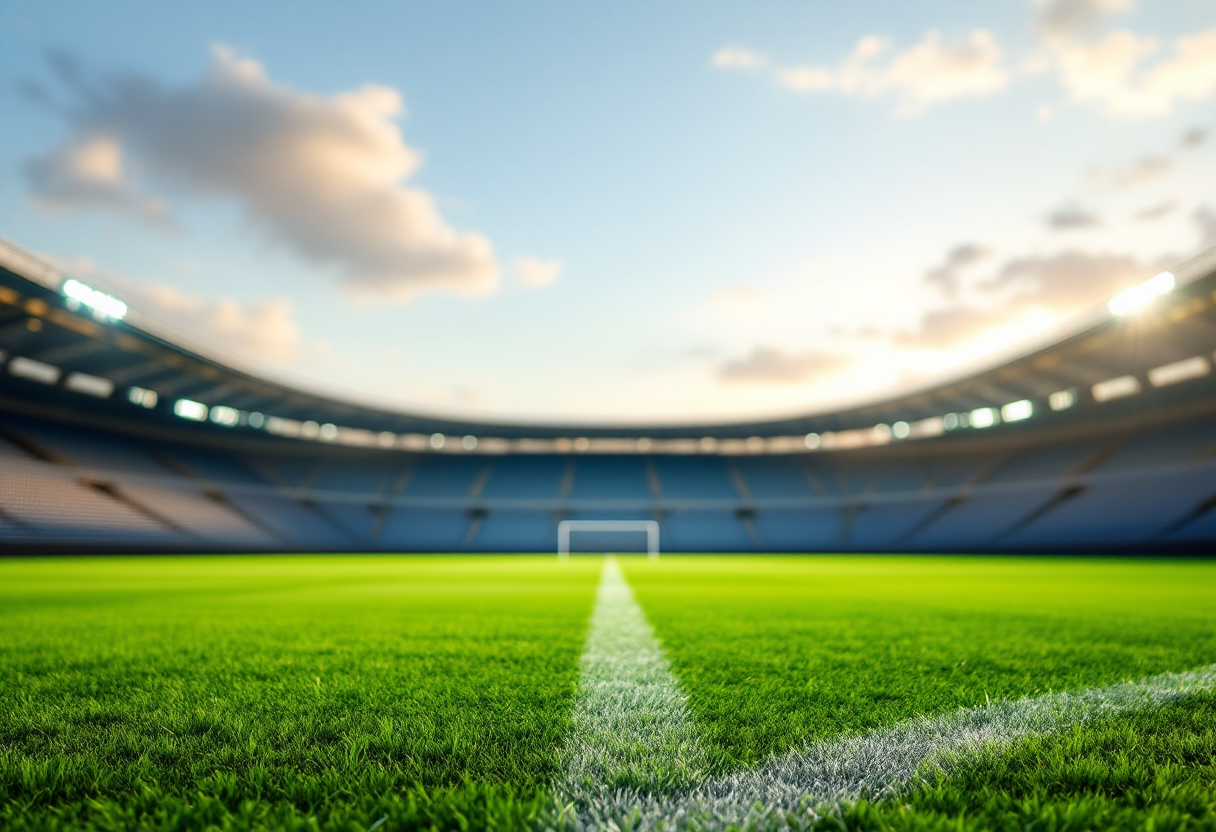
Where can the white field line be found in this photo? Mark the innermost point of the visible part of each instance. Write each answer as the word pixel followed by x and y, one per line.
pixel 632 733
pixel 634 755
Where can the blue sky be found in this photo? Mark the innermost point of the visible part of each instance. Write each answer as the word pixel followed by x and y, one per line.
pixel 612 212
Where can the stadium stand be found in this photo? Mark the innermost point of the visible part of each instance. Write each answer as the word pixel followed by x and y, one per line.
pixel 113 436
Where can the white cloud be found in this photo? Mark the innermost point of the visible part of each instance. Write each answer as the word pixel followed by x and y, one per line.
pixel 961 257
pixel 1062 19
pixel 1026 295
pixel 321 175
pixel 1071 217
pixel 770 365
pixel 738 57
pixel 89 172
pixel 1111 72
pixel 1142 170
pixel 537 273
pixel 263 330
pixel 930 72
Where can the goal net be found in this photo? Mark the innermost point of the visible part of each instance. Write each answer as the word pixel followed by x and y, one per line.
pixel 603 531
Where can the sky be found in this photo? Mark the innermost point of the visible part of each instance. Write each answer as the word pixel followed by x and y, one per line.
pixel 610 212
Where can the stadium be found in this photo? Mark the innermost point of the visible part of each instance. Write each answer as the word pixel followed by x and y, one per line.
pixel 116 438
pixel 748 418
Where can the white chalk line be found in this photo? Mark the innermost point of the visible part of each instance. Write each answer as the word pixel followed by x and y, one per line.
pixel 632 731
pixel 635 754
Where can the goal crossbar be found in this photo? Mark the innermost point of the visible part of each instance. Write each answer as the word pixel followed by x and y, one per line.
pixel 565 527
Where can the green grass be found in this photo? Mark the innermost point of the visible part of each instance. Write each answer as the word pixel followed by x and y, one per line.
pixel 331 692
pixel 1154 770
pixel 285 692
pixel 775 651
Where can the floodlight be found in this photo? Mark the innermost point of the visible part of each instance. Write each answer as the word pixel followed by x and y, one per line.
pixel 101 303
pixel 387 439
pixel 983 417
pixel 143 398
pixel 1179 371
pixel 901 430
pixel 812 441
pixel 1140 296
pixel 1115 388
pixel 192 410
pixel 950 421
pixel 329 432
pixel 469 442
pixel 437 440
pixel 1062 399
pixel 28 368
pixel 256 420
pixel 1017 411
pixel 226 416
pixel 310 429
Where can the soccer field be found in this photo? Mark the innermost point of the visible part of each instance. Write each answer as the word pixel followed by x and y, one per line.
pixel 526 692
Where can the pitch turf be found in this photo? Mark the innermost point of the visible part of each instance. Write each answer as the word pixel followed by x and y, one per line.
pixel 337 692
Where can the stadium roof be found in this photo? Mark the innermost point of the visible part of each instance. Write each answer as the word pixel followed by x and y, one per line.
pixel 66 344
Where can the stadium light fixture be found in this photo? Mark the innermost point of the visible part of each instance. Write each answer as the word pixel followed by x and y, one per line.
pixel 226 416
pixel 90 385
pixel 901 430
pixel 1062 399
pixel 1017 411
pixel 1179 371
pixel 387 439
pixel 32 370
pixel 983 417
pixel 950 421
pixel 811 441
pixel 1115 388
pixel 310 429
pixel 1140 296
pixel 469 442
pixel 143 398
pixel 192 410
pixel 438 440
pixel 256 420
pixel 103 305
pixel 328 432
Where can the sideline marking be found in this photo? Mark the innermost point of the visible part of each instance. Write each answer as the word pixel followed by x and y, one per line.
pixel 634 759
pixel 632 734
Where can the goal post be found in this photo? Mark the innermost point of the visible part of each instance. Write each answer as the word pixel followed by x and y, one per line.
pixel 566 527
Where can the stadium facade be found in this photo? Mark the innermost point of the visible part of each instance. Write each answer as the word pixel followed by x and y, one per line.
pixel 114 435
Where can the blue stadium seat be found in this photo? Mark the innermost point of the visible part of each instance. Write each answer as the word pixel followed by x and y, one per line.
pixel 1122 511
pixel 213 466
pixel 424 530
pixel 354 478
pixel 1045 463
pixel 700 477
pixel 774 476
pixel 89 449
pixel 705 531
pixel 608 477
pixel 1164 446
pixel 882 525
pixel 799 529
pixel 981 518
pixel 299 525
pixel 445 476
pixel 517 531
pixel 524 477
pixel 359 520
